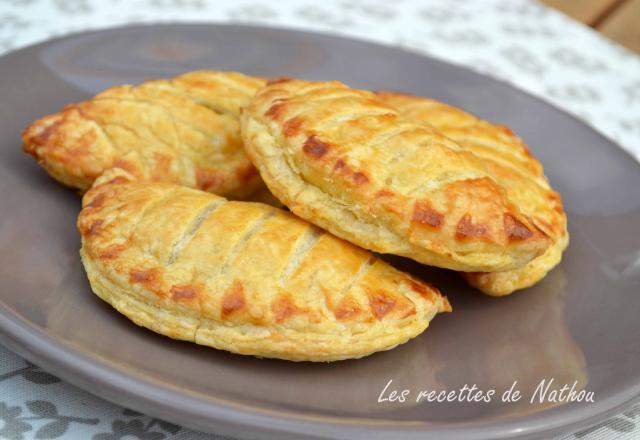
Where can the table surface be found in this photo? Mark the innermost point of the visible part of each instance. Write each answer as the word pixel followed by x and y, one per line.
pixel 531 46
pixel 618 20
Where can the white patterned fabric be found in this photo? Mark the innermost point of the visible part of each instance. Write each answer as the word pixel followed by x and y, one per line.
pixel 522 42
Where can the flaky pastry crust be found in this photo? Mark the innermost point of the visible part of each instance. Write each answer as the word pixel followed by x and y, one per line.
pixel 244 277
pixel 183 130
pixel 508 159
pixel 347 162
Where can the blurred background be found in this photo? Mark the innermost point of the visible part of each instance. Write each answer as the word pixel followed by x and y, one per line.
pixel 618 20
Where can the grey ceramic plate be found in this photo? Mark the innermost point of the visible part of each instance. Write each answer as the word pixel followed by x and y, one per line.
pixel 580 324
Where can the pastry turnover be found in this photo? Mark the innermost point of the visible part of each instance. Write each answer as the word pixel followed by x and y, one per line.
pixel 344 160
pixel 507 158
pixel 244 277
pixel 184 130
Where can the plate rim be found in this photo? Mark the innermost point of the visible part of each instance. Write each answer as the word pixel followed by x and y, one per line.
pixel 232 418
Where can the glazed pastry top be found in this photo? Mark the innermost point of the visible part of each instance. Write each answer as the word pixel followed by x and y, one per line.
pixel 183 130
pixel 510 162
pixel 343 159
pixel 244 277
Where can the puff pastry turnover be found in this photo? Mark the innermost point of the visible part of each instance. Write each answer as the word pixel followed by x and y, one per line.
pixel 244 277
pixel 347 162
pixel 184 130
pixel 507 158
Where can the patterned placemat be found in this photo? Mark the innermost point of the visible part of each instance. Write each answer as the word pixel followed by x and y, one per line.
pixel 519 41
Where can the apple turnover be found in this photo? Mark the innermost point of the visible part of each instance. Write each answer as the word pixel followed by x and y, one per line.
pixel 183 130
pixel 343 160
pixel 243 277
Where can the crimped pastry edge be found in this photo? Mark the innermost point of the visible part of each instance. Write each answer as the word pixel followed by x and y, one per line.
pixel 309 346
pixel 342 219
pixel 505 283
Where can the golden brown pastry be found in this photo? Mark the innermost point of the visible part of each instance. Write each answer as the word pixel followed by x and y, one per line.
pixel 512 165
pixel 343 160
pixel 184 130
pixel 244 277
